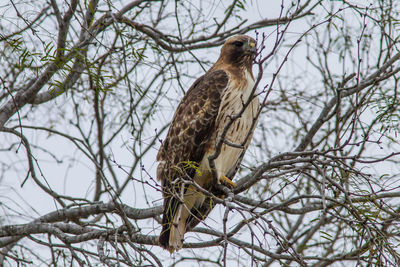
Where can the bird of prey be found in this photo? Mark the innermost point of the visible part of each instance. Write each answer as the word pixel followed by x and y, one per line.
pixel 219 108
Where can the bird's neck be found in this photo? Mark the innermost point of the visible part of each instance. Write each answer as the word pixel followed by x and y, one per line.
pixel 234 70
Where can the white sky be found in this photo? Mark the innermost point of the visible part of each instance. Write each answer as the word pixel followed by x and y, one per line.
pixel 31 202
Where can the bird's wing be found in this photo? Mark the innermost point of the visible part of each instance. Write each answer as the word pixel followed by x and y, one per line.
pixel 192 124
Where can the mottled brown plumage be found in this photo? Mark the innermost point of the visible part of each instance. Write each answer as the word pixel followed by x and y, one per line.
pixel 197 126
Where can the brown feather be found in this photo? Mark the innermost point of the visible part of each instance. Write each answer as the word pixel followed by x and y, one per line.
pixel 186 140
pixel 197 124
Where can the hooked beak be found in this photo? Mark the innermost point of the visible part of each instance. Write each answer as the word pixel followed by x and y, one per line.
pixel 251 48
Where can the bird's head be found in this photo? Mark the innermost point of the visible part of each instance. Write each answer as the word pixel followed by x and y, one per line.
pixel 239 49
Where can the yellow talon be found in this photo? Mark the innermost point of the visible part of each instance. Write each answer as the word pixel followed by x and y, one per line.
pixel 225 180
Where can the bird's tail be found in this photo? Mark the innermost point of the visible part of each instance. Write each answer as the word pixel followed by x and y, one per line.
pixel 173 225
pixel 170 206
pixel 178 229
pixel 175 218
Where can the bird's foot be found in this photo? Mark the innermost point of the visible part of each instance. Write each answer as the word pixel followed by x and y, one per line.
pixel 226 181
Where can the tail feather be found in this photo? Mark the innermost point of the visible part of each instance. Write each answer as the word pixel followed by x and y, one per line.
pixel 178 229
pixel 170 205
pixel 176 217
pixel 173 225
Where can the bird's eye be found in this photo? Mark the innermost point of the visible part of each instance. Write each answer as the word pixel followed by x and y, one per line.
pixel 238 43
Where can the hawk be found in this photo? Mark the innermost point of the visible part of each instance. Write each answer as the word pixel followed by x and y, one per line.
pixel 218 106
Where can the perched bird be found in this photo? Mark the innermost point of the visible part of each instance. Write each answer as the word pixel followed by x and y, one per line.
pixel 205 115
